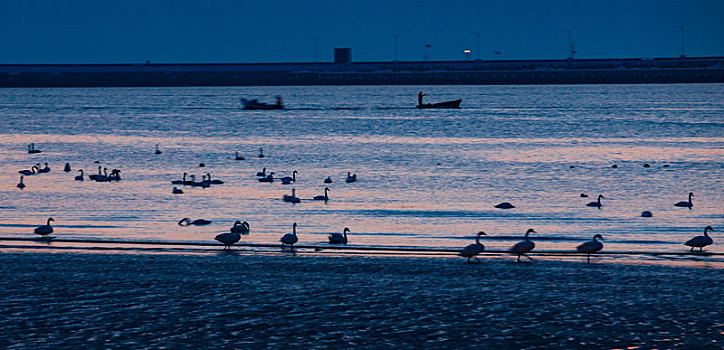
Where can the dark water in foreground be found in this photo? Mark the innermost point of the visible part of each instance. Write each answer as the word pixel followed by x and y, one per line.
pixel 243 301
pixel 427 177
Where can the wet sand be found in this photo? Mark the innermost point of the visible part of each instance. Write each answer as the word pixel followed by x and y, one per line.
pixel 52 300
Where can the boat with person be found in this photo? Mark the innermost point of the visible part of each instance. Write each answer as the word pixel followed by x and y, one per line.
pixel 254 104
pixel 446 104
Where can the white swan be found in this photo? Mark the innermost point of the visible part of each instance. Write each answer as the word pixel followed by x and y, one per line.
pixel 288 180
pixel 21 185
pixel 323 197
pixel 597 203
pixel 198 222
pixel 228 239
pixel 472 250
pixel 591 246
pixel 687 204
pixel 339 238
pixel 525 246
pixel 290 238
pixel 45 229
pixel 700 241
pixel 291 198
pixel 240 228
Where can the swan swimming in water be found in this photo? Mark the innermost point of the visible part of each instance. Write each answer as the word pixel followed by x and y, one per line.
pixel 288 180
pixel 214 182
pixel 198 222
pixel 177 190
pixel 31 149
pixel 45 229
pixel 67 167
pixel 32 171
pixel 591 246
pixel 44 170
pixel 261 153
pixel 238 157
pixel 700 241
pixel 687 204
pixel 505 205
pixel 268 178
pixel 339 238
pixel 351 177
pixel 323 197
pixel 180 182
pixel 94 176
pixel 262 173
pixel 525 246
pixel 79 177
pixel 290 238
pixel 158 151
pixel 291 198
pixel 597 203
pixel 328 180
pixel 21 185
pixel 472 250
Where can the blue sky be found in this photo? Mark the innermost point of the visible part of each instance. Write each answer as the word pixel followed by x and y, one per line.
pixel 84 31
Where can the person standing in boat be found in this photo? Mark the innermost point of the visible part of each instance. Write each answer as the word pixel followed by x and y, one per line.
pixel 420 95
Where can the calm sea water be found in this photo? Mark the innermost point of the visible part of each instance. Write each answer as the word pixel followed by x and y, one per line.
pixel 426 177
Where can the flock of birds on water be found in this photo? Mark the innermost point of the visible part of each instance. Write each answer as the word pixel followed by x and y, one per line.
pixel 240 229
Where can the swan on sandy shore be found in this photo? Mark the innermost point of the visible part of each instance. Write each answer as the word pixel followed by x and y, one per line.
pixel 525 246
pixel 45 229
pixel 290 238
pixel 700 241
pixel 686 204
pixel 597 203
pixel 339 238
pixel 472 250
pixel 591 246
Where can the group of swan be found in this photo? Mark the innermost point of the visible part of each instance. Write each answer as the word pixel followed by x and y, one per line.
pixel 241 229
pixel 204 183
pixel 525 246
pixel 234 235
pixel 34 170
pixel 115 175
pixel 292 198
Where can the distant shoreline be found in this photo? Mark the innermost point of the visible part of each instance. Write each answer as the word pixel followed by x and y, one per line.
pixel 475 72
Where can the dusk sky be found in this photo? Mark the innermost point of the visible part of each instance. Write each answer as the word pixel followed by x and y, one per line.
pixel 84 31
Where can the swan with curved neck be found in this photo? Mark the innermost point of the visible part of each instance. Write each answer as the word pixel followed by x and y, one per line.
pixel 290 238
pixel 324 197
pixel 45 229
pixel 472 250
pixel 79 177
pixel 687 204
pixel 288 180
pixel 591 246
pixel 700 241
pixel 597 203
pixel 521 248
pixel 339 238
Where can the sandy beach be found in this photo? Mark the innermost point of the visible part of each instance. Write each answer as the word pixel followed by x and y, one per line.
pixel 69 300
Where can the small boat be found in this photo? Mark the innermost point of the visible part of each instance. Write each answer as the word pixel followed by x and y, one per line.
pixel 446 104
pixel 256 105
